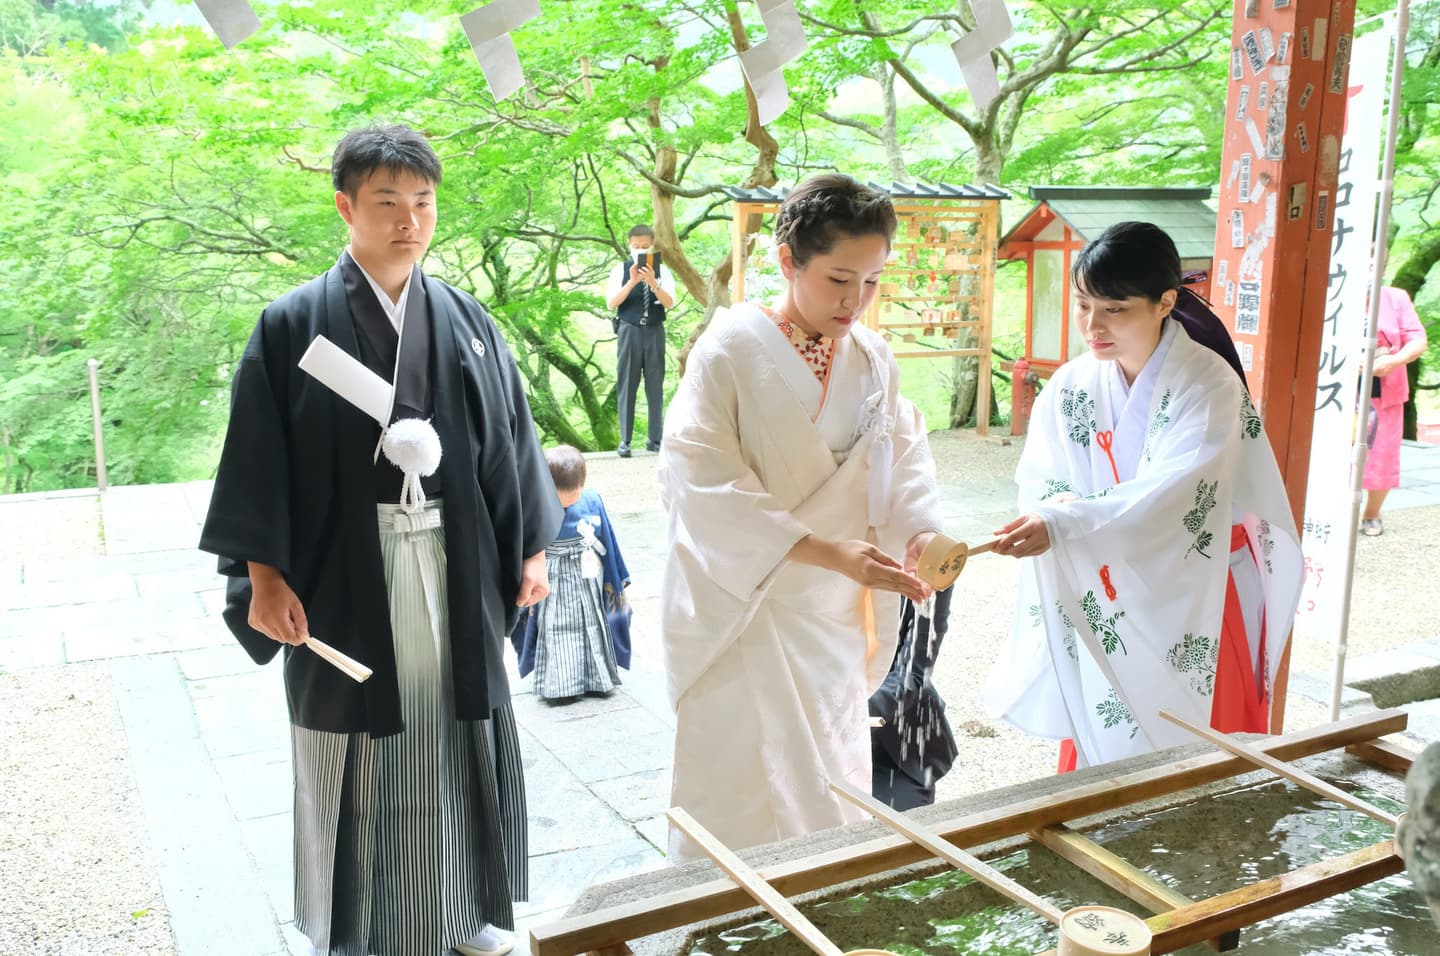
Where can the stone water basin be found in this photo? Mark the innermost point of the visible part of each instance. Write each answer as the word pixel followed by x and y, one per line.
pixel 1201 842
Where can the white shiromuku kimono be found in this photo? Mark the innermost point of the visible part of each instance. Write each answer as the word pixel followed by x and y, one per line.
pixel 770 663
pixel 1122 616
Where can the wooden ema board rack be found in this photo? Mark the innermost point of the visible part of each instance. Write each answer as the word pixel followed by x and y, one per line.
pixel 1178 922
pixel 944 264
pixel 952 238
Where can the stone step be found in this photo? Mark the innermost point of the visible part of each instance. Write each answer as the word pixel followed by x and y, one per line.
pixel 1385 679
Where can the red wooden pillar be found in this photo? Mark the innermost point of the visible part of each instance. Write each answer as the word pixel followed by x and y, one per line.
pixel 1289 62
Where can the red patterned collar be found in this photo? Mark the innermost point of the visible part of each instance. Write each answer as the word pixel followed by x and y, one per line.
pixel 817 350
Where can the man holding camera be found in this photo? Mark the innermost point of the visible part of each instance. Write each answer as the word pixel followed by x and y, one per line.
pixel 640 290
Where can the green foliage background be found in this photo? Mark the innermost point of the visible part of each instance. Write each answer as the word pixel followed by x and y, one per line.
pixel 160 189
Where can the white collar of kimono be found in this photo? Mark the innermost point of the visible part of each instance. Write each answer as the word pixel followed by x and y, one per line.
pixel 766 329
pixel 394 311
pixel 876 416
pixel 1144 384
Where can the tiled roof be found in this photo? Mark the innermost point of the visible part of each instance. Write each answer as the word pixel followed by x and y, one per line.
pixel 896 191
pixel 1090 211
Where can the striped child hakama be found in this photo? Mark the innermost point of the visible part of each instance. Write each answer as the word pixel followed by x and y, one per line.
pixel 408 844
pixel 574 653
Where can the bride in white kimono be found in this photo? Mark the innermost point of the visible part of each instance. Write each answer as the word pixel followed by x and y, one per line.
pixel 1164 564
pixel 793 473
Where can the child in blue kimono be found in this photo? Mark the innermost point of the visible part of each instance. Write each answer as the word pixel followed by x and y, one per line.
pixel 575 639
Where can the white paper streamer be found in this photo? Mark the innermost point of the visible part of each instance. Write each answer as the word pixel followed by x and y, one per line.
pixel 972 51
pixel 347 377
pixel 488 30
pixel 232 20
pixel 762 63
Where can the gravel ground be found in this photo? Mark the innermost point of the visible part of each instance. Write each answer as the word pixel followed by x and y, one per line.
pixel 40 528
pixel 75 875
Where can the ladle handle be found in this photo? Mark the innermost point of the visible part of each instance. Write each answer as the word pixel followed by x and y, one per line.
pixel 948 851
pixel 750 881
pixel 986 545
pixel 1295 774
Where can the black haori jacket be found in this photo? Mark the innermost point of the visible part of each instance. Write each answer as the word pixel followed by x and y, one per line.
pixel 296 490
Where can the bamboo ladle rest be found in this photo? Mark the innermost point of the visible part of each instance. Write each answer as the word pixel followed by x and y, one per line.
pixel 944 558
pixel 1294 774
pixel 766 895
pixel 1084 930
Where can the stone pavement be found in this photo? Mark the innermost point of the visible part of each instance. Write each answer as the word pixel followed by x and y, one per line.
pixel 207 729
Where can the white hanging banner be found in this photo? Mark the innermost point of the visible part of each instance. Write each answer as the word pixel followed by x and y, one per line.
pixel 1340 411
pixel 488 30
pixel 762 63
pixel 232 20
pixel 992 28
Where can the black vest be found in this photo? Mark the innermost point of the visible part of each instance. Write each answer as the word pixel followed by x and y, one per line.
pixel 632 309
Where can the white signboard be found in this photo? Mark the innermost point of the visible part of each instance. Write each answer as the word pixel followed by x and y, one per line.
pixel 1338 409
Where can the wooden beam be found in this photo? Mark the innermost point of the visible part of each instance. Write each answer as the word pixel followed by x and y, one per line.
pixel 947 208
pixel 1249 905
pixel 991 228
pixel 919 324
pixel 739 252
pixel 1120 876
pixel 976 869
pixel 937 353
pixel 1392 753
pixel 579 934
pixel 1279 767
pixel 1065 313
pixel 1280 690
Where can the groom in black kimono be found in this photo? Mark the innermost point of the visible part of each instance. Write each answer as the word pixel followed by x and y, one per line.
pixel 409 804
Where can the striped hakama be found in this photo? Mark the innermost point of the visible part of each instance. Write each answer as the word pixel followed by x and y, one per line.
pixel 573 651
pixel 408 844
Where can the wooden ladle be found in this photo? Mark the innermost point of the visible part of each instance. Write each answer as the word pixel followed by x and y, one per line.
pixel 764 894
pixel 1084 930
pixel 944 558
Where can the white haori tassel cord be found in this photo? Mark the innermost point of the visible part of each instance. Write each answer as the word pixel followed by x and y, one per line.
pixel 413 446
pixel 881 455
pixel 590 557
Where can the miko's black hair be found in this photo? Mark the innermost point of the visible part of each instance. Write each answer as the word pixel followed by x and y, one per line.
pixel 1129 258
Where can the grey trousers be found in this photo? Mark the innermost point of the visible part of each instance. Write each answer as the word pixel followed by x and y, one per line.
pixel 640 352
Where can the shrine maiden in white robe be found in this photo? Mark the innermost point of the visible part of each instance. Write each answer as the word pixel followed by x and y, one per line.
pixel 1165 467
pixel 770 663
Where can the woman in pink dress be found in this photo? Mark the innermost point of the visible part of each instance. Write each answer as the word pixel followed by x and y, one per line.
pixel 1400 340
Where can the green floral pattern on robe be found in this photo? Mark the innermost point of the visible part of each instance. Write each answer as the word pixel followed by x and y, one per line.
pixel 1196 656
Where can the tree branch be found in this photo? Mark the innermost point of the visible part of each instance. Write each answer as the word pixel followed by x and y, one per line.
pixel 693 192
pixel 866 128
